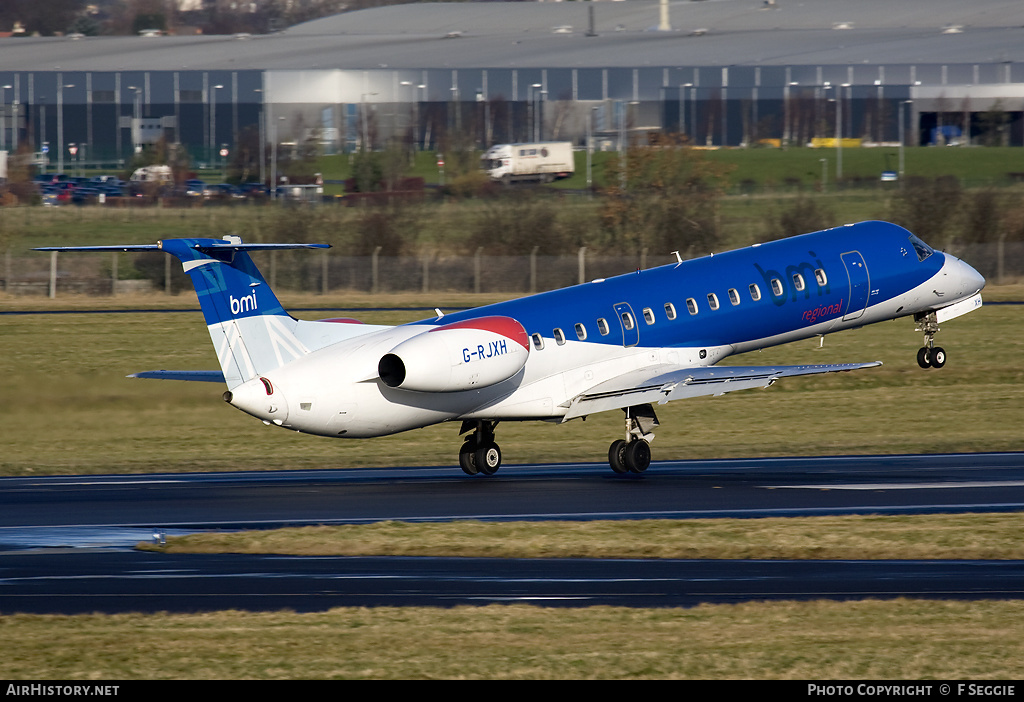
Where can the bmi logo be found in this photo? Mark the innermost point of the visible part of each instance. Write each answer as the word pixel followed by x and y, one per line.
pixel 244 304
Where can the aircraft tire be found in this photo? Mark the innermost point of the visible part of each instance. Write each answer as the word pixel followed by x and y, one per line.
pixel 938 357
pixel 924 357
pixel 617 455
pixel 467 459
pixel 638 456
pixel 488 458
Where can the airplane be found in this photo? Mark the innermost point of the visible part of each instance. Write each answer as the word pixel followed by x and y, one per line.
pixel 630 342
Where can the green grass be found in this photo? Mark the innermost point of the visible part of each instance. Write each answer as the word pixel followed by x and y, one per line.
pixel 770 167
pixel 69 409
pixel 871 640
pixel 932 536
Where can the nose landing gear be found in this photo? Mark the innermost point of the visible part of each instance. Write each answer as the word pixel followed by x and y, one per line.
pixel 633 454
pixel 929 355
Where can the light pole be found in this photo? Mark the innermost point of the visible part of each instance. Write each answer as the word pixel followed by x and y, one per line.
pixel 14 125
pixel 590 147
pixel 839 132
pixel 273 159
pixel 787 131
pixel 362 106
pixel 263 138
pixel 3 116
pixel 623 150
pixel 533 110
pixel 136 110
pixel 902 137
pixel 60 121
pixel 213 123
pixel 682 107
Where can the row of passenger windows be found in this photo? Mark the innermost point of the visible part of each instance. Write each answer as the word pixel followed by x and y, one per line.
pixel 628 323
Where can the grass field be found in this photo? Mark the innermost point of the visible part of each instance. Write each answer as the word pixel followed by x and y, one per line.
pixel 69 409
pixel 769 167
pixel 898 640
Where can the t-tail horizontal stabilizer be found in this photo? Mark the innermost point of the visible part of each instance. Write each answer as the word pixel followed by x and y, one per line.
pixel 249 328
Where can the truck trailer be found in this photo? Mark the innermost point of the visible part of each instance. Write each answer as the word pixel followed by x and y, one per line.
pixel 543 161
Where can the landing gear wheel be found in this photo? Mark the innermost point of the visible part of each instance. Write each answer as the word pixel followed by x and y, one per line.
pixel 938 359
pixel 467 459
pixel 924 357
pixel 488 458
pixel 617 456
pixel 638 456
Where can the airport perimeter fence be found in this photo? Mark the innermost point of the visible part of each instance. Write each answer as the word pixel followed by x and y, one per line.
pixel 325 272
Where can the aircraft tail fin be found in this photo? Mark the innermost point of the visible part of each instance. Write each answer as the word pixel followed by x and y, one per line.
pixel 249 328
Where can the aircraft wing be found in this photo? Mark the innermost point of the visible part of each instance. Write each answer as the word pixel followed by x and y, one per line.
pixel 200 376
pixel 661 384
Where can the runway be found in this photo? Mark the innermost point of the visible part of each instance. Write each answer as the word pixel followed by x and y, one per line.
pixel 66 541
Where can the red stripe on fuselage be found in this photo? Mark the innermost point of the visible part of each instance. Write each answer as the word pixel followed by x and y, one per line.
pixel 505 326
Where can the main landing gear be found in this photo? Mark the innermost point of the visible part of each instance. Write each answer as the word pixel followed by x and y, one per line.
pixel 929 355
pixel 633 454
pixel 479 454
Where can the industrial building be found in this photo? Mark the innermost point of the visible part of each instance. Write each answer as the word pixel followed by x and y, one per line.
pixel 720 72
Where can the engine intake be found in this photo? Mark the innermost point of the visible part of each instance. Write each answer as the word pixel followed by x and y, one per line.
pixel 458 356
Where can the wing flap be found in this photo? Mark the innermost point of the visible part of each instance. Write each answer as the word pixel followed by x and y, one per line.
pixel 665 383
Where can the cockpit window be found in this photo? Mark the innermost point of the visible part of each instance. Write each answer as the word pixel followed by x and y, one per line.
pixel 922 249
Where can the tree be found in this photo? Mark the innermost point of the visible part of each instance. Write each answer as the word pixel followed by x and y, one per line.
pixel 669 202
pixel 805 214
pixel 928 207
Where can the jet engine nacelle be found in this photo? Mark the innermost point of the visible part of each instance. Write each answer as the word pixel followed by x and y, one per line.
pixel 457 356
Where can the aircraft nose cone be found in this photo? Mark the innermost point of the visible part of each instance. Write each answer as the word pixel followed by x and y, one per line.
pixel 963 278
pixel 973 280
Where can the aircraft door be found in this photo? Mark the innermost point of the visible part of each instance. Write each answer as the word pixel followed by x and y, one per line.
pixel 628 322
pixel 860 284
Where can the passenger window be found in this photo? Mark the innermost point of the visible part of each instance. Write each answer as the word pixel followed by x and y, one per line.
pixel 559 336
pixel 798 282
pixel 713 301
pixel 777 287
pixel 755 292
pixel 670 310
pixel 538 341
pixel 691 305
pixel 820 276
pixel 649 315
pixel 734 296
pixel 627 321
pixel 602 326
pixel 581 332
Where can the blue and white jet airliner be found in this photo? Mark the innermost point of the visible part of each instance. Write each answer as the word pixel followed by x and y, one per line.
pixel 629 342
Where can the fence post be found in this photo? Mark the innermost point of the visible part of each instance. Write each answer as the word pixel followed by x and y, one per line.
pixel 167 275
pixel 426 272
pixel 533 270
pixel 113 274
pixel 374 271
pixel 7 271
pixel 53 274
pixel 323 273
pixel 273 270
pixel 1000 250
pixel 581 259
pixel 643 258
pixel 476 269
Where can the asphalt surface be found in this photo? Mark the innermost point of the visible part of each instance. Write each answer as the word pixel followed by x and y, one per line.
pixel 66 542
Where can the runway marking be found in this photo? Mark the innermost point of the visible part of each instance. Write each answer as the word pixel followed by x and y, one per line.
pixel 901 486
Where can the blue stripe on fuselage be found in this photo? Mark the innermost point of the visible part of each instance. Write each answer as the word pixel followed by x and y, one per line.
pixel 893 269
